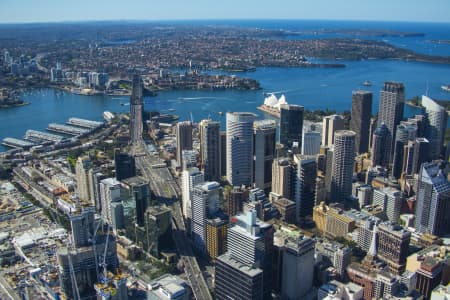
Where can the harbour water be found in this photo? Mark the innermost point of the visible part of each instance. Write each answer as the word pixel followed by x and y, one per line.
pixel 314 88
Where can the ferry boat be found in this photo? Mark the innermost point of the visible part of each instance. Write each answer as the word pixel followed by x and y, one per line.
pixel 446 87
pixel 367 83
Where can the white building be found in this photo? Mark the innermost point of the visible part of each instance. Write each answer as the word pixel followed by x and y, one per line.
pixel 109 192
pixel 189 179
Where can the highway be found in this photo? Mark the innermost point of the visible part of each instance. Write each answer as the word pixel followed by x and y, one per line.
pixel 167 191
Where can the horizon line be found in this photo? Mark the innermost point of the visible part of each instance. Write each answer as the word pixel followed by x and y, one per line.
pixel 212 19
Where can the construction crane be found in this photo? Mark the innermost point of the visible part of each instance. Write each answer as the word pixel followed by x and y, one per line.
pixel 94 247
pixel 73 277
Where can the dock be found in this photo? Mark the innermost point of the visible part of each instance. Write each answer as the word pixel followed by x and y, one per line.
pixel 67 129
pixel 34 135
pixel 84 123
pixel 17 143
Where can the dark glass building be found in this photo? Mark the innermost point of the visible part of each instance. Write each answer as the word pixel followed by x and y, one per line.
pixel 125 165
pixel 360 120
pixel 291 124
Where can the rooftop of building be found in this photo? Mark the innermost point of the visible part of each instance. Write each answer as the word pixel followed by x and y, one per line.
pixel 246 269
pixel 135 181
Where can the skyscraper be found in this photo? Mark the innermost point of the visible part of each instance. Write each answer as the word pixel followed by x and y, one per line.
pixel 393 245
pixel 360 119
pixel 421 154
pixel 82 168
pixel 432 201
pixel 109 192
pixel 330 125
pixel 78 263
pixel 298 268
pixel 264 150
pixel 136 110
pixel 390 112
pixel 381 142
pixel 390 200
pixel 283 178
pixel 124 164
pixel 405 132
pixel 234 197
pixel 189 179
pixel 210 149
pixel 250 243
pixel 291 125
pixel 240 148
pixel 305 186
pixel 223 153
pixel 343 159
pixel 184 139
pixel 205 204
pixel 139 190
pixel 437 124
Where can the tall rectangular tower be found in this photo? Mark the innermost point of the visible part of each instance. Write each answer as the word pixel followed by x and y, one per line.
pixel 360 119
pixel 432 200
pixel 264 150
pixel 240 148
pixel 343 161
pixel 210 149
pixel 184 139
pixel 291 125
pixel 390 112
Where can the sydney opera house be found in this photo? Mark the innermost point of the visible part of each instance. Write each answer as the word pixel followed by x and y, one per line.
pixel 272 104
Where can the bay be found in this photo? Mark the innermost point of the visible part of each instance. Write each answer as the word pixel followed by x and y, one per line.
pixel 314 88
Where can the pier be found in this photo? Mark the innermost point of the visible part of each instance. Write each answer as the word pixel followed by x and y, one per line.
pixel 67 129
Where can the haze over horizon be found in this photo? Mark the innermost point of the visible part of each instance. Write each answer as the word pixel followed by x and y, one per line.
pixel 29 11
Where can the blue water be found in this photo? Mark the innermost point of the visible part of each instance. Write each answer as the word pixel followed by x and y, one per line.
pixel 314 88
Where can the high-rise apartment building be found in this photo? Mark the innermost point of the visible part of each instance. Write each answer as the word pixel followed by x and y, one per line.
pixel 291 125
pixel 82 168
pixel 432 201
pixel 390 111
pixel 421 154
pixel 210 149
pixel 136 110
pixel 360 119
pixel 184 139
pixel 343 159
pixel 240 148
pixel 95 177
pixel 110 192
pixel 330 125
pixel 264 151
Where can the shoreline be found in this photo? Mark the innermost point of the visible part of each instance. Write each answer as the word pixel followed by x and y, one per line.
pixel 3 106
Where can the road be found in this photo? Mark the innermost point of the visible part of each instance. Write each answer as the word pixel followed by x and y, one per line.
pixel 167 191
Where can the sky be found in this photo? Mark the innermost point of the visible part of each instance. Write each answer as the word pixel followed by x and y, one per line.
pixel 25 11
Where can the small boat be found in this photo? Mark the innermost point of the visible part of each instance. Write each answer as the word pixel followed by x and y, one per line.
pixel 220 113
pixel 367 83
pixel 171 109
pixel 446 87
